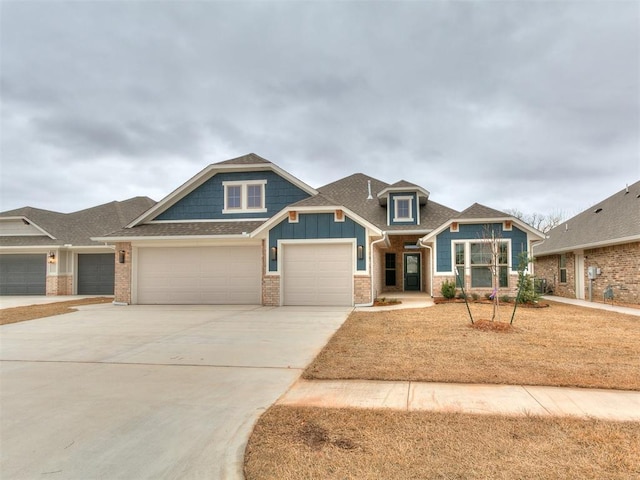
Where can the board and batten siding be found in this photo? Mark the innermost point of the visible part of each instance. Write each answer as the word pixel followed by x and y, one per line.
pixel 207 201
pixel 312 226
pixel 476 232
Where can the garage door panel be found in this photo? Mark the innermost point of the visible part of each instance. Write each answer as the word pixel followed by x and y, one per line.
pixel 200 275
pixel 23 274
pixel 96 273
pixel 318 274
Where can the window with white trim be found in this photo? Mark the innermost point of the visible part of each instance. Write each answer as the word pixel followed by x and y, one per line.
pixel 482 264
pixel 402 209
pixel 244 196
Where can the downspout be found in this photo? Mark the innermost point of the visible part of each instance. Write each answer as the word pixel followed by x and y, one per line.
pixel 371 270
pixel 430 265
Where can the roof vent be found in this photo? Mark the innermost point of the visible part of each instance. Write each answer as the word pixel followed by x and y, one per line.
pixel 370 197
pixel 598 210
pixel 626 190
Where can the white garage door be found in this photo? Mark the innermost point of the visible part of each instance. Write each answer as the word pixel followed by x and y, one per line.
pixel 199 275
pixel 318 274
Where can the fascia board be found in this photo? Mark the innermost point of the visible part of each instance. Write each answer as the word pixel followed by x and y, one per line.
pixel 586 246
pixel 23 218
pixel 166 237
pixel 416 188
pixel 30 247
pixel 523 226
pixel 277 218
pixel 208 173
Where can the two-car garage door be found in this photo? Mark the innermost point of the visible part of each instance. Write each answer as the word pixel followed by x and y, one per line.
pixel 199 275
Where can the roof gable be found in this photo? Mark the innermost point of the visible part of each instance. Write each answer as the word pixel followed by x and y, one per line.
pixel 247 164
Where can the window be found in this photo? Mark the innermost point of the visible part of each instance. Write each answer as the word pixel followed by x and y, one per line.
pixel 482 264
pixel 254 196
pixel 459 252
pixel 390 269
pixel 244 197
pixel 234 197
pixel 402 211
pixel 563 268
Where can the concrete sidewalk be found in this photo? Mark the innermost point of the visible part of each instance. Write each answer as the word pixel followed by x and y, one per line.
pixel 467 398
pixel 600 306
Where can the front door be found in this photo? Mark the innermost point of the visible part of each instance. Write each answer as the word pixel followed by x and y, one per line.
pixel 412 271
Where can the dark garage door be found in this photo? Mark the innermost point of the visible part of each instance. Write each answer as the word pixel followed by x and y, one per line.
pixel 23 274
pixel 96 273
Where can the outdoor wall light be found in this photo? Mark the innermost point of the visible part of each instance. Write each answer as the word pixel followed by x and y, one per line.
pixel 52 257
pixel 122 255
pixel 274 254
pixel 360 252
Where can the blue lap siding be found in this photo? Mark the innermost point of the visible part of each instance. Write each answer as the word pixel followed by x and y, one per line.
pixel 476 232
pixel 207 201
pixel 317 226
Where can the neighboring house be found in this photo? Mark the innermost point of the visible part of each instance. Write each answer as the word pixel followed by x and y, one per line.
pixel 44 252
pixel 244 231
pixel 596 250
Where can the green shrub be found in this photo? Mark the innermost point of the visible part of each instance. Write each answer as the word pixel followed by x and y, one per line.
pixel 487 296
pixel 475 296
pixel 448 289
pixel 461 296
pixel 528 292
pixel 505 298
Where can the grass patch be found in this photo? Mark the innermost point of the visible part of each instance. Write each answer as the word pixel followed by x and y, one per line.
pixel 297 442
pixel 31 312
pixel 563 345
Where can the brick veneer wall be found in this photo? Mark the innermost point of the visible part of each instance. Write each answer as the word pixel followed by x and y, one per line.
pixel 271 290
pixel 361 289
pixel 122 288
pixel 438 280
pixel 619 266
pixel 59 285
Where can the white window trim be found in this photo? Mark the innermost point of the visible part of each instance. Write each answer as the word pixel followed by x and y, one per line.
pixel 395 209
pixel 243 184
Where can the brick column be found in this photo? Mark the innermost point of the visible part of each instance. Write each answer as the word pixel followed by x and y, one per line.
pixel 122 288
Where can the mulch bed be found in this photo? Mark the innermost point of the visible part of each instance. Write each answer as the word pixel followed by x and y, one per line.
pixel 484 301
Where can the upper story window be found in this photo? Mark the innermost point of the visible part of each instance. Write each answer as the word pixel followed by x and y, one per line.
pixel 244 196
pixel 402 209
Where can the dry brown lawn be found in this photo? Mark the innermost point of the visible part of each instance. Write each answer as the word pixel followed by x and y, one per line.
pixel 562 345
pixel 311 443
pixel 31 312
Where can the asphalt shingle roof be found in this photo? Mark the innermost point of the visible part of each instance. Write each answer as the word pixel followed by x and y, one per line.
pixel 77 228
pixel 481 211
pixel 609 221
pixel 249 159
pixel 353 192
pixel 187 229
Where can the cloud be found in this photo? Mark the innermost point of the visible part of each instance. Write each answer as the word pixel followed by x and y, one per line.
pixel 514 104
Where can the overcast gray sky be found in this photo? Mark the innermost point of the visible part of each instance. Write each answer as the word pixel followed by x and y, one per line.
pixel 528 105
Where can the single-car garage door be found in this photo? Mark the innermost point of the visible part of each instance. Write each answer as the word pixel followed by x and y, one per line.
pixel 23 274
pixel 200 275
pixel 96 273
pixel 318 274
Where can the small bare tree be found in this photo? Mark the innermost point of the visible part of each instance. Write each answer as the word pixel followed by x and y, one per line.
pixel 539 221
pixel 492 249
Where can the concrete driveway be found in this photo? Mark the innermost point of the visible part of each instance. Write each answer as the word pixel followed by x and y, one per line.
pixel 147 391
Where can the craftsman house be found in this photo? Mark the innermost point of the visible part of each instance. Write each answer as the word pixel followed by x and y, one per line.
pixel 244 231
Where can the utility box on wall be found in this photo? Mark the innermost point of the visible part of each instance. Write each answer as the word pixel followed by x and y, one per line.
pixel 592 273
